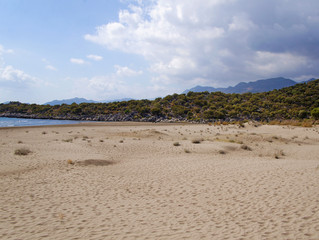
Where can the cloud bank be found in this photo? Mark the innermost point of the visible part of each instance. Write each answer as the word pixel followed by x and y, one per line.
pixel 217 42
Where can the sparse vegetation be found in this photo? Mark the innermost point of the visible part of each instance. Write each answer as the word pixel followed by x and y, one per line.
pixel 279 153
pixel 95 162
pixel 245 147
pixel 84 138
pixel 187 151
pixel 176 144
pixel 71 162
pixel 197 141
pixel 222 152
pixel 22 151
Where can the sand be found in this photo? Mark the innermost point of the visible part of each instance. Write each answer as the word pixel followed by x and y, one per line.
pixel 159 181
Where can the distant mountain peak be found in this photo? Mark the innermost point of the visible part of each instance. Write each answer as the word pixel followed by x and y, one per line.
pixel 262 85
pixel 69 101
pixel 82 100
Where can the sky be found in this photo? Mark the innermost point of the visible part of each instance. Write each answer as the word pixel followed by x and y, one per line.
pixel 113 49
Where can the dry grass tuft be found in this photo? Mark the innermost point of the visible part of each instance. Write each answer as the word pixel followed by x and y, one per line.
pixel 197 141
pixel 95 162
pixel 245 147
pixel 85 138
pixel 187 151
pixel 297 123
pixel 230 148
pixel 70 162
pixel 22 151
pixel 279 154
pixel 222 152
pixel 176 144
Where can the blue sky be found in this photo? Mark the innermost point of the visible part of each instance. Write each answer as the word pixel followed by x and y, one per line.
pixel 102 50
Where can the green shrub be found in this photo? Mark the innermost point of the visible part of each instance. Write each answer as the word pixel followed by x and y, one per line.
pixel 315 113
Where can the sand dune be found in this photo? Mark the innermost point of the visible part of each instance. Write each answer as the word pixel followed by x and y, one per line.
pixel 159 181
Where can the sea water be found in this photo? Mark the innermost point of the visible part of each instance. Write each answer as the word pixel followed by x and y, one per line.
pixel 17 122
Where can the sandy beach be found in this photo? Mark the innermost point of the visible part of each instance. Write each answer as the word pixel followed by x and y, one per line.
pixel 159 181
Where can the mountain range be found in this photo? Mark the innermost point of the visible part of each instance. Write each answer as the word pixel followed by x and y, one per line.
pixel 83 100
pixel 263 85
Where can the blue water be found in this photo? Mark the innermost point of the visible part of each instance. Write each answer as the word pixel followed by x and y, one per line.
pixel 17 122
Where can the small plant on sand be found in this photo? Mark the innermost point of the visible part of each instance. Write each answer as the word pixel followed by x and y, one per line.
pixel 85 138
pixel 241 124
pixel 187 151
pixel 61 216
pixel 221 152
pixel 68 140
pixel 176 144
pixel 19 142
pixel 197 141
pixel 245 147
pixel 279 154
pixel 70 162
pixel 44 132
pixel 22 151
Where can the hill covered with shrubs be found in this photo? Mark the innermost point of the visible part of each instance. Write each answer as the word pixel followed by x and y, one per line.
pixel 300 101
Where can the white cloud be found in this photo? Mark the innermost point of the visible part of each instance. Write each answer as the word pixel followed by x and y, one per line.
pixel 15 78
pixel 95 57
pixel 111 87
pixel 217 40
pixel 77 61
pixel 267 63
pixel 241 23
pixel 117 85
pixel 4 50
pixel 114 83
pixel 126 72
pixel 50 67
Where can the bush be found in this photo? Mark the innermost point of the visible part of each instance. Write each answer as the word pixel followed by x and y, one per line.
pixel 315 113
pixel 197 141
pixel 22 151
pixel 302 114
pixel 245 147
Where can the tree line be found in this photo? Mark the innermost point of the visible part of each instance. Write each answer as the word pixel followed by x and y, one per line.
pixel 300 101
